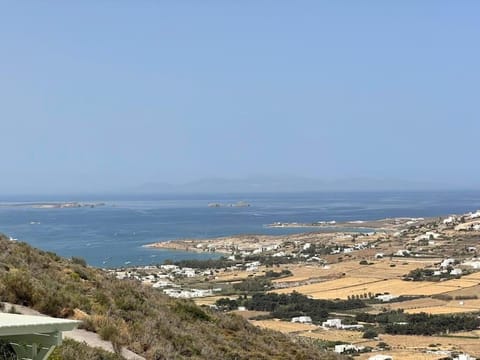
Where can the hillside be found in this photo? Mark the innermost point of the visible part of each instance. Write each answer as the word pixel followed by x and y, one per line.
pixel 130 314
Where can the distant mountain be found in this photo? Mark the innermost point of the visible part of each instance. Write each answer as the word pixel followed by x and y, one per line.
pixel 284 184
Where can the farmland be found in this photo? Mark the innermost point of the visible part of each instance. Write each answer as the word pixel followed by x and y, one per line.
pixel 380 277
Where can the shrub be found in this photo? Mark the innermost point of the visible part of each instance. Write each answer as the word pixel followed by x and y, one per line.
pixel 79 261
pixel 370 334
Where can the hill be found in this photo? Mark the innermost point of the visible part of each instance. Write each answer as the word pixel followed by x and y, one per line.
pixel 130 314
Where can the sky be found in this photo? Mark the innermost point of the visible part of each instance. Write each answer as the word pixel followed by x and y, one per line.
pixel 108 95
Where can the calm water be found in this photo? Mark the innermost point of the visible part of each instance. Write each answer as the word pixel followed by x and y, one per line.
pixel 114 234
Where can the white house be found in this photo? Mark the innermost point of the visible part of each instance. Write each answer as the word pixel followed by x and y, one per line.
pixel 473 263
pixel 333 323
pixel 161 284
pixel 339 349
pixel 386 297
pixel 302 319
pixel 352 327
pixel 450 220
pixel 432 234
pixel 402 252
pixel 464 357
pixel 380 357
pixel 456 272
pixel 475 215
pixel 447 262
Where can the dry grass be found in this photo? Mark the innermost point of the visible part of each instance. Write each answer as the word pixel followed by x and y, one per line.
pixel 248 314
pixel 238 275
pixel 404 355
pixel 338 284
pixel 347 286
pixel 415 304
pixel 456 306
pixel 303 273
pixel 283 326
pixel 474 276
pixel 418 343
pixel 438 310
pixel 380 269
pixel 468 291
pixel 336 335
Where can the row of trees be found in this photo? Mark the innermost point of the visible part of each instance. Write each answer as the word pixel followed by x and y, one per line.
pixel 286 306
pixel 397 322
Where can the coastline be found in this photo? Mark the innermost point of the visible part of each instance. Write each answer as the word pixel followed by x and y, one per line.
pixel 252 242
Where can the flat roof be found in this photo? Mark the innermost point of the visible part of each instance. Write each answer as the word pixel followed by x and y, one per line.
pixel 14 324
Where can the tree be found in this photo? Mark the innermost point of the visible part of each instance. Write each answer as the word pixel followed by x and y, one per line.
pixel 370 334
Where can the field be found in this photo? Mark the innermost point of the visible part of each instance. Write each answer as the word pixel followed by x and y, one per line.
pixel 378 270
pixel 283 326
pixel 353 337
pixel 377 278
pixel 417 343
pixel 210 300
pixel 450 307
pixel 468 291
pixel 404 355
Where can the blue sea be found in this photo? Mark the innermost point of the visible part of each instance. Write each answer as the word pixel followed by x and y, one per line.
pixel 113 235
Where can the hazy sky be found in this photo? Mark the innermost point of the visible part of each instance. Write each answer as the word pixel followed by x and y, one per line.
pixel 113 94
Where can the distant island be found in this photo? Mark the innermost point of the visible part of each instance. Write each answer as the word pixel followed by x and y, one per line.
pixel 55 205
pixel 237 204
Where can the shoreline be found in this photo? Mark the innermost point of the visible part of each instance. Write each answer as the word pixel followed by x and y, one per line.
pixel 247 242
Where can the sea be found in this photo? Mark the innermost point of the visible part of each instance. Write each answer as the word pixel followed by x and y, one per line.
pixel 113 235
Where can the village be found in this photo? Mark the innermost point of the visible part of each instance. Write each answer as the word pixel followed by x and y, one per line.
pixel 412 266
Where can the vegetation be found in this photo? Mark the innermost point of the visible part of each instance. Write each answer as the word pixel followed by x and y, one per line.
pixel 370 334
pixel 72 350
pixel 128 313
pixel 220 263
pixel 286 306
pixel 428 275
pixel 398 322
pixel 6 352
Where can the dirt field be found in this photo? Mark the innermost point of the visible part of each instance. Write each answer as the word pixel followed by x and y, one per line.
pixel 380 269
pixel 437 310
pixel 468 291
pixel 283 326
pixel 248 314
pixel 417 343
pixel 353 337
pixel 403 355
pixel 414 304
pixel 347 286
pixel 210 300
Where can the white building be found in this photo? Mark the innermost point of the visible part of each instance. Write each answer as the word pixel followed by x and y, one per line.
pixel 402 252
pixel 450 220
pixel 161 284
pixel 302 319
pixel 473 263
pixel 464 357
pixel 380 357
pixel 386 297
pixel 447 262
pixel 333 323
pixel 475 215
pixel 456 272
pixel 339 349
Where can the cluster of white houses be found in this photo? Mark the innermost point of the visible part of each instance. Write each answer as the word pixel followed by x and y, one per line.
pixel 337 324
pixel 190 293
